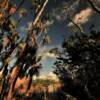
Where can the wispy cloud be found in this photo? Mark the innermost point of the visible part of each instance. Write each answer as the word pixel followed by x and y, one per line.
pixel 49 23
pixel 61 13
pixel 23 28
pixel 70 9
pixel 82 17
pixel 44 52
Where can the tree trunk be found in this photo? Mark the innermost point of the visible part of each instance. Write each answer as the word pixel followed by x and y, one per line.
pixel 12 82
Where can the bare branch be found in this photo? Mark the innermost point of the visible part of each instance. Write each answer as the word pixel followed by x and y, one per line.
pixel 94 7
pixel 79 27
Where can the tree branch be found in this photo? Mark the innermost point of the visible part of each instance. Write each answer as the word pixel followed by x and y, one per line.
pixel 79 27
pixel 94 7
pixel 21 3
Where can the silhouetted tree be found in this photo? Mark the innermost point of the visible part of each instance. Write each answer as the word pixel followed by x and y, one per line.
pixel 78 66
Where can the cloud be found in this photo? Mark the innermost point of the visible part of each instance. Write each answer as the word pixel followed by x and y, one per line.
pixel 61 13
pixel 48 23
pixel 23 28
pixel 69 9
pixel 49 55
pixel 29 24
pixel 44 52
pixel 82 17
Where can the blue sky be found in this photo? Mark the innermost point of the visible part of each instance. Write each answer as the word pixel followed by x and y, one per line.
pixel 56 31
pixel 59 26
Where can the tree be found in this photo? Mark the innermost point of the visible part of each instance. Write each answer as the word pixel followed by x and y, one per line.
pixel 23 54
pixel 78 66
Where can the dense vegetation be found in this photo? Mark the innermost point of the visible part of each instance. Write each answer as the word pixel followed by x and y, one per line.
pixel 78 66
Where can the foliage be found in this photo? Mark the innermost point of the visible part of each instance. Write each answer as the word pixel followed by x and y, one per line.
pixel 78 65
pixel 22 52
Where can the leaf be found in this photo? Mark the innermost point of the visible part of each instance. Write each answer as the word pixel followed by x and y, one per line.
pixel 12 24
pixel 33 1
pixel 2 19
pixel 22 12
pixel 1 14
pixel 54 50
pixel 4 4
pixel 12 10
pixel 39 59
pixel 46 40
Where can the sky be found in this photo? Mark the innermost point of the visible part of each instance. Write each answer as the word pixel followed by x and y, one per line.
pixel 59 11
